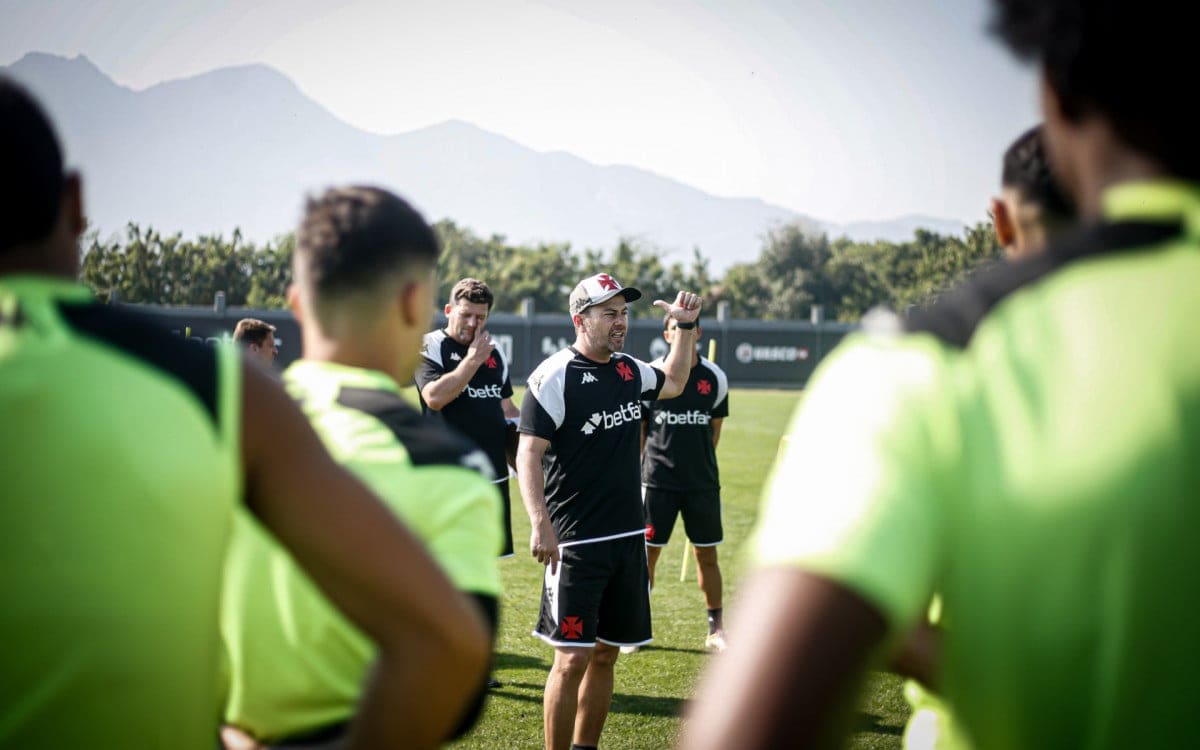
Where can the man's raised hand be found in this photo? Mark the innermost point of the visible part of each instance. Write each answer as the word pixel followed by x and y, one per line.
pixel 685 309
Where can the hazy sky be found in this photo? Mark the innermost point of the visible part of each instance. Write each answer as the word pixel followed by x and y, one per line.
pixel 839 109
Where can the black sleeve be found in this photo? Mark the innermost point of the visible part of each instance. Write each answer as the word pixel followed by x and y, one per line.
pixel 427 372
pixel 722 409
pixel 660 379
pixel 535 420
pixel 491 612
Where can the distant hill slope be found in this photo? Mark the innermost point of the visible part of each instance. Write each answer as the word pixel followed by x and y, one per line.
pixel 241 146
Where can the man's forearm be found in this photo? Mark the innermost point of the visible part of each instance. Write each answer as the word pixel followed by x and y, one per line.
pixel 448 387
pixel 510 410
pixel 532 482
pixel 678 363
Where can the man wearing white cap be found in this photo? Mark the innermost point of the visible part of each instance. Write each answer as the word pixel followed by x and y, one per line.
pixel 581 415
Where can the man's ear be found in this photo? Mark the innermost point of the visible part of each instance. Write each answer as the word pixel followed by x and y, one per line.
pixel 293 300
pixel 1003 221
pixel 415 298
pixel 447 308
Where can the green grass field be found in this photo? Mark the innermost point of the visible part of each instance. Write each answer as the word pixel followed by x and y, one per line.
pixel 652 686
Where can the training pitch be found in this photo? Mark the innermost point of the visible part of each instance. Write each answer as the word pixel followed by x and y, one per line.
pixel 652 686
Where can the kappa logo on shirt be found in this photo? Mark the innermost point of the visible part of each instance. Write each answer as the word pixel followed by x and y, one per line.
pixel 455 356
pixel 589 378
pixel 624 371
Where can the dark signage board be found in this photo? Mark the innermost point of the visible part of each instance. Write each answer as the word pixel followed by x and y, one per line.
pixel 766 354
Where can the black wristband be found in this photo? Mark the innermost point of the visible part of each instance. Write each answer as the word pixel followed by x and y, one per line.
pixel 684 326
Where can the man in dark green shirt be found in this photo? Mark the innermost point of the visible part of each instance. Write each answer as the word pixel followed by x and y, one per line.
pixel 123 453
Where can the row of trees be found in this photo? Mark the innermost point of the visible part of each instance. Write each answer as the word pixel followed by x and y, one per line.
pixel 794 271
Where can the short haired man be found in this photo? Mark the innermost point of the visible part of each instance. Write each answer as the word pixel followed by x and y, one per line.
pixel 463 376
pixel 363 294
pixel 581 414
pixel 1031 207
pixel 124 452
pixel 680 474
pixel 258 339
pixel 1007 453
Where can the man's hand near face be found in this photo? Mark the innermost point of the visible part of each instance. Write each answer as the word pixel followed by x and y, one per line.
pixel 480 349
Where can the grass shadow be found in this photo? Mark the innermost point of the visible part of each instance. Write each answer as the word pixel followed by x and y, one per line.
pixel 622 703
pixel 868 722
pixel 503 660
pixel 646 705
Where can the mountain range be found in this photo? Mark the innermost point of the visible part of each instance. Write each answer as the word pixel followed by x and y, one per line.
pixel 241 146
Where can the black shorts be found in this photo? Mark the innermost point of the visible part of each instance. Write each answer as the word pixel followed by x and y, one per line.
pixel 601 592
pixel 701 510
pixel 506 517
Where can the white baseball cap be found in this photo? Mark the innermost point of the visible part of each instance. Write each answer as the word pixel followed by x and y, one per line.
pixel 596 289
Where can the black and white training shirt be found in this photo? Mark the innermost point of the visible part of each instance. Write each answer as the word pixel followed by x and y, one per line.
pixel 679 452
pixel 591 413
pixel 476 412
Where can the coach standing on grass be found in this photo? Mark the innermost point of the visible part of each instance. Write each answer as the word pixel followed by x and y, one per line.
pixel 582 415
pixel 463 376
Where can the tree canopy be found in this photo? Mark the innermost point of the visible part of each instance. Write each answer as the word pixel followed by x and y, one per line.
pixel 795 270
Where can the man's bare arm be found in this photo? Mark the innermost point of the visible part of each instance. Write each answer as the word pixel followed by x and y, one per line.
pixel 791 677
pixel 678 363
pixel 543 542
pixel 510 410
pixel 716 428
pixel 432 641
pixel 438 393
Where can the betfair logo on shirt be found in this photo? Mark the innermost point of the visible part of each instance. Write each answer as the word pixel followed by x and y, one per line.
pixel 589 378
pixel 487 391
pixel 603 420
pixel 671 418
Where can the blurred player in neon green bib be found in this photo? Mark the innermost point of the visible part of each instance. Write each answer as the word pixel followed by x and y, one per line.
pixel 1030 210
pixel 124 452
pixel 1027 448
pixel 363 295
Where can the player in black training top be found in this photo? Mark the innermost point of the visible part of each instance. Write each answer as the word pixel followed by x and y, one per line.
pixel 464 377
pixel 582 417
pixel 680 475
